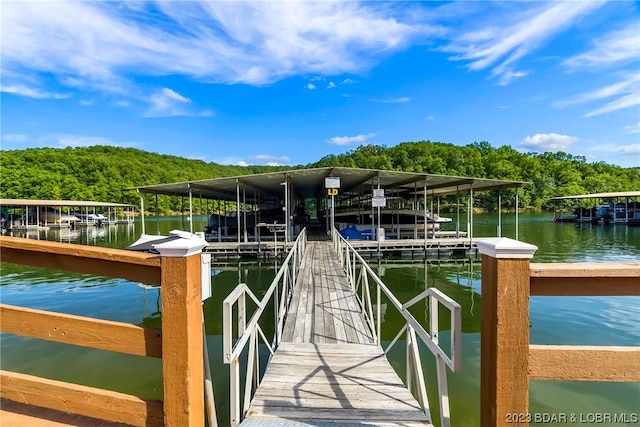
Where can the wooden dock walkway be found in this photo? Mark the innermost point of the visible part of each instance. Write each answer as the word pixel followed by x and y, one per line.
pixel 327 367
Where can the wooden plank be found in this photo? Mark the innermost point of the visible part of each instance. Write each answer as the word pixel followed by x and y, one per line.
pixel 336 415
pixel 319 332
pixel 584 363
pixel 329 348
pixel 99 261
pixel 329 325
pixel 337 401
pixel 354 372
pixel 88 401
pixel 276 389
pixel 504 341
pixel 182 342
pixel 586 279
pixel 82 331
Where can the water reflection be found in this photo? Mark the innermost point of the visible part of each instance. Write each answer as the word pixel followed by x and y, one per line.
pixel 554 320
pixel 107 235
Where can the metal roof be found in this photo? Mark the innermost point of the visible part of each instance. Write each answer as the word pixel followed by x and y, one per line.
pixel 78 203
pixel 309 183
pixel 601 195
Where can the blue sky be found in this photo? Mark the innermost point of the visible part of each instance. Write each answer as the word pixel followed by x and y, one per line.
pixel 290 82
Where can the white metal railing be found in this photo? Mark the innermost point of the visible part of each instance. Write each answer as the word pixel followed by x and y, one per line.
pixel 247 332
pixel 360 275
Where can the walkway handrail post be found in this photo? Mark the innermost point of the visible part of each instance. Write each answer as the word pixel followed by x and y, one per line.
pixel 504 336
pixel 412 329
pixel 249 331
pixel 182 338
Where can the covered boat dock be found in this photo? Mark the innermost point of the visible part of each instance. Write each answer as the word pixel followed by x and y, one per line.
pixel 601 208
pixel 28 214
pixel 252 213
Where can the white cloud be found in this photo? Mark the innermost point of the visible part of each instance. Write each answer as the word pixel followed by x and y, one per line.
pixel 633 128
pixel 169 103
pixel 499 45
pixel 619 150
pixel 508 76
pixel 310 86
pixel 66 140
pixel 430 117
pixel 633 149
pixel 624 92
pixel 348 140
pixel 270 160
pixel 347 81
pixel 393 100
pixel 615 47
pixel 15 137
pixel 626 101
pixel 171 94
pixel 331 85
pixel 30 92
pixel 102 46
pixel 541 142
pixel 236 161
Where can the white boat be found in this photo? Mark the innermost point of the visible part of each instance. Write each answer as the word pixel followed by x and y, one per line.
pixel 90 218
pixel 402 221
pixel 49 215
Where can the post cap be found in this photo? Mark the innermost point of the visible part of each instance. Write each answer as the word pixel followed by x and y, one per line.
pixel 187 244
pixel 503 247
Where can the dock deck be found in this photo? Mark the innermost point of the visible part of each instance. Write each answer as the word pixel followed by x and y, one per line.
pixel 327 367
pixel 443 244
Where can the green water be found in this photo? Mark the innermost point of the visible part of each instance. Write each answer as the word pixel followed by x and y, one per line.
pixel 554 320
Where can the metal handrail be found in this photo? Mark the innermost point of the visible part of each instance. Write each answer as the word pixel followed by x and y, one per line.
pixel 248 332
pixel 359 280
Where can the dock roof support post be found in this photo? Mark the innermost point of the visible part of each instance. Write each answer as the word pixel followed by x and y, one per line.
pixel 415 210
pixel 504 334
pixel 190 210
pixel 426 220
pixel 500 213
pixel 142 210
pixel 286 212
pixel 182 341
pixel 517 213
pixel 471 213
pixel 238 208
pixel 244 216
pixel 433 225
pixel 458 212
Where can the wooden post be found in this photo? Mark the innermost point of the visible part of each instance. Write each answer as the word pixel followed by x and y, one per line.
pixel 504 337
pixel 182 342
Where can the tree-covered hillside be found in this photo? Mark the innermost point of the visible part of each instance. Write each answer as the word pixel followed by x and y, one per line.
pixel 550 174
pixel 103 173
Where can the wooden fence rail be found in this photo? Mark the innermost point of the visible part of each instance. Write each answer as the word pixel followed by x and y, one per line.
pixel 179 343
pixel 508 360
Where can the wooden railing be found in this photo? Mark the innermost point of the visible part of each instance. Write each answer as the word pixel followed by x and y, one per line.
pixel 508 360
pixel 179 343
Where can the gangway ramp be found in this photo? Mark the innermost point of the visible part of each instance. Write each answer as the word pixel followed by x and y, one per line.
pixel 327 366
